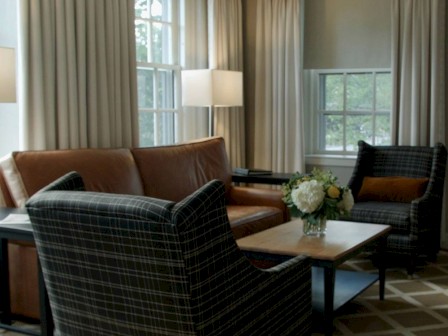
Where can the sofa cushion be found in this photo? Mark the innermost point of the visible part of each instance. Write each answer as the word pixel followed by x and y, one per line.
pixel 394 214
pixel 392 189
pixel 246 220
pixel 103 170
pixel 176 171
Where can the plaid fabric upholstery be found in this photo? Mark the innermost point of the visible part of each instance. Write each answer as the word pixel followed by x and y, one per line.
pixel 133 265
pixel 416 225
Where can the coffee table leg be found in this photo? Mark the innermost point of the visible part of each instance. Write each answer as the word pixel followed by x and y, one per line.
pixel 329 281
pixel 382 265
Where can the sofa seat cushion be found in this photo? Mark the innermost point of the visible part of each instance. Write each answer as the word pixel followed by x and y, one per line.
pixel 246 220
pixel 394 214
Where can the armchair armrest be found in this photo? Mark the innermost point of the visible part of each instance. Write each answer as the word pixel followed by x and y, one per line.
pixel 296 265
pixel 424 214
pixel 283 293
pixel 258 196
pixel 288 285
pixel 425 211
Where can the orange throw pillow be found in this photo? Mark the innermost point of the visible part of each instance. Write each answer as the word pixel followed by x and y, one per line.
pixel 392 189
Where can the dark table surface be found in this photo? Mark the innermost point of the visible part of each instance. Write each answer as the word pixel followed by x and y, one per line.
pixel 274 178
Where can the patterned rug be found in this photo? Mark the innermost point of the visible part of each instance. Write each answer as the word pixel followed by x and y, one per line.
pixel 412 307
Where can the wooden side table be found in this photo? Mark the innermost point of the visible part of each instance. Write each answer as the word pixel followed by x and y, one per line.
pixel 274 178
pixel 19 231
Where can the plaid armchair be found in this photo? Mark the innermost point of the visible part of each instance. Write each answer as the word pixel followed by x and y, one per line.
pixel 134 265
pixel 415 222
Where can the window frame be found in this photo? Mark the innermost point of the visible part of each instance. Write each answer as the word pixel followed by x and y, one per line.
pixel 318 134
pixel 157 110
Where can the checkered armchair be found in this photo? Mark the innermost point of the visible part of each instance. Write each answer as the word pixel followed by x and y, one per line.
pixel 134 265
pixel 415 222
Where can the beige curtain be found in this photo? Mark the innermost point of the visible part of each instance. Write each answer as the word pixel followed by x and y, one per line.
pixel 418 60
pixel 418 72
pixel 194 55
pixel 279 136
pixel 226 53
pixel 78 84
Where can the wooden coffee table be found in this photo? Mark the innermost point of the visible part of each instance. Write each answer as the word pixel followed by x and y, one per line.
pixel 332 288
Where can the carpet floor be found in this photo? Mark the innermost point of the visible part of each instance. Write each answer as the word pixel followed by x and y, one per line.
pixel 412 307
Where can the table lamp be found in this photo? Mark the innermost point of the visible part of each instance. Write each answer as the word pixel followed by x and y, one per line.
pixel 212 88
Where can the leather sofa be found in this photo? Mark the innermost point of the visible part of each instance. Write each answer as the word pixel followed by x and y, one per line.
pixel 166 172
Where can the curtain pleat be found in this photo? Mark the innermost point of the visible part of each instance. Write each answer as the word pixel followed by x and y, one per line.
pixel 79 79
pixel 194 55
pixel 418 33
pixel 226 53
pixel 279 136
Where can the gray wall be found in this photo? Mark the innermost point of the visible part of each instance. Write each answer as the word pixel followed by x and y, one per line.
pixel 343 34
pixel 347 34
pixel 337 34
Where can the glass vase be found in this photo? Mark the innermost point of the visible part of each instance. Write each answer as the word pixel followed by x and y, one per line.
pixel 315 229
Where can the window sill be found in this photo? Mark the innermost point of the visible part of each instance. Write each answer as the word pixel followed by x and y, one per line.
pixel 330 160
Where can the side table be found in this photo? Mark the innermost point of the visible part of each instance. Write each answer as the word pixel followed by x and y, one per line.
pixel 274 178
pixel 19 231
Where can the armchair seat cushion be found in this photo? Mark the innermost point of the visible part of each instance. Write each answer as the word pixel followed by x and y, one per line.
pixel 394 214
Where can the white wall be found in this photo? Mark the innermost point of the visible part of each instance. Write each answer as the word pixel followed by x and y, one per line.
pixel 9 112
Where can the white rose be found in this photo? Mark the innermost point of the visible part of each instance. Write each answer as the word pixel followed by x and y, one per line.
pixel 308 196
pixel 346 204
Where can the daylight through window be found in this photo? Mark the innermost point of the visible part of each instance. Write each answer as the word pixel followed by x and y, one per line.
pixel 157 70
pixel 353 106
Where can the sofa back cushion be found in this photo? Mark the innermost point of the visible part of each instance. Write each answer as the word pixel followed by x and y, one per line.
pixel 176 171
pixel 103 170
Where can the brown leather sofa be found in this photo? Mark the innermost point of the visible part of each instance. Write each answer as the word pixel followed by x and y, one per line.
pixel 167 172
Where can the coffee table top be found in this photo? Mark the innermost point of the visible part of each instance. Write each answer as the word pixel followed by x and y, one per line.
pixel 341 239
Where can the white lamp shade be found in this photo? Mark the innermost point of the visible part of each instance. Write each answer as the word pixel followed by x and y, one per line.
pixel 212 87
pixel 7 75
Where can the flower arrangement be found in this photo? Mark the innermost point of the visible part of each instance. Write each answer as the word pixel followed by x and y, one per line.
pixel 316 196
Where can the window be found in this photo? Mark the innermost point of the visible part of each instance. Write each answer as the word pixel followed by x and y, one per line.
pixel 352 106
pixel 158 70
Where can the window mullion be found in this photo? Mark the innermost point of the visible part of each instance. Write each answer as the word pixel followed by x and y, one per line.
pixel 374 110
pixel 149 41
pixel 156 128
pixel 344 117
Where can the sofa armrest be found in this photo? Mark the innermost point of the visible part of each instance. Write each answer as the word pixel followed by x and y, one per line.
pixel 258 196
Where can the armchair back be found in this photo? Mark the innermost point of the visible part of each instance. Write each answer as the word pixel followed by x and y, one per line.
pixel 405 161
pixel 135 265
pixel 410 200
